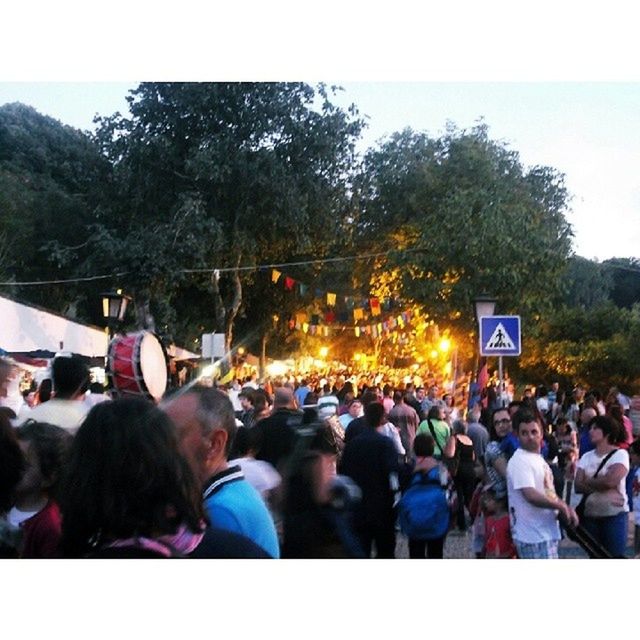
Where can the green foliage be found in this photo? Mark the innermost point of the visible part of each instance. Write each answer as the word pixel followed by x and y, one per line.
pixel 625 273
pixel 587 284
pixel 49 177
pixel 473 219
pixel 599 348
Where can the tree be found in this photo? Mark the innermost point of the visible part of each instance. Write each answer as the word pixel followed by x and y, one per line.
pixel 588 284
pixel 50 175
pixel 599 348
pixel 462 217
pixel 221 176
pixel 625 273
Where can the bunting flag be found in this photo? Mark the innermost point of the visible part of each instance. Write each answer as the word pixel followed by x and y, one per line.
pixel 305 327
pixel 357 331
pixel 301 317
pixel 375 306
pixel 288 283
pixel 331 299
pixel 358 314
pixel 302 288
pixel 275 276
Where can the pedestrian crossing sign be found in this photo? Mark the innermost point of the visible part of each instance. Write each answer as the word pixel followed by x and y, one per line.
pixel 500 336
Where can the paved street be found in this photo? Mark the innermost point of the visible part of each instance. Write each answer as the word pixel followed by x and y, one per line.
pixel 459 546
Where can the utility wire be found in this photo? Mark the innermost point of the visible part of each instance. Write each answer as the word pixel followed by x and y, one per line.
pixel 217 269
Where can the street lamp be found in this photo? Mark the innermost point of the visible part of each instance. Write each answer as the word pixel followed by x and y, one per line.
pixel 483 305
pixel 114 306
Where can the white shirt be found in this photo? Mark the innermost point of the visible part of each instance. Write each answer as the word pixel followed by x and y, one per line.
pixel 68 414
pixel 590 461
pixel 530 524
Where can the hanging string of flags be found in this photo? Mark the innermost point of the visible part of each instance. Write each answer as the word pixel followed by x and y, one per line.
pixel 302 322
pixel 356 306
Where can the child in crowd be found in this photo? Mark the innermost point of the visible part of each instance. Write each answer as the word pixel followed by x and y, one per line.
pixel 497 530
pixel 634 457
pixel 35 511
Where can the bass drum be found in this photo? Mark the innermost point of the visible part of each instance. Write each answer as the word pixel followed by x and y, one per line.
pixel 137 365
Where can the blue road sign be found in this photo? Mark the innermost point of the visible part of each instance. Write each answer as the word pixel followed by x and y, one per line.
pixel 500 336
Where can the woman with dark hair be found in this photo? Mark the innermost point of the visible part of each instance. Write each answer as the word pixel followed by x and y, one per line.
pixel 318 504
pixel 601 476
pixel 616 412
pixel 129 493
pixel 464 478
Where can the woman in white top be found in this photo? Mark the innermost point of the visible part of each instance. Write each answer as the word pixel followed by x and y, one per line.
pixel 606 511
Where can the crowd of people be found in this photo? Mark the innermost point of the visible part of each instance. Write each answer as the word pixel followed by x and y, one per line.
pixel 311 468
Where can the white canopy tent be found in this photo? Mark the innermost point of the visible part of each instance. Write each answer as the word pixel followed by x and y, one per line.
pixel 25 328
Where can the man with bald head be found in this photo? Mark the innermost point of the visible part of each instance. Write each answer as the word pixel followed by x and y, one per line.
pixel 276 434
pixel 206 427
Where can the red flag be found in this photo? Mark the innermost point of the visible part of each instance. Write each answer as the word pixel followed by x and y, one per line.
pixel 288 283
pixel 483 379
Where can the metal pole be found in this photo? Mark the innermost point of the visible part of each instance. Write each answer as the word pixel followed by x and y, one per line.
pixel 501 384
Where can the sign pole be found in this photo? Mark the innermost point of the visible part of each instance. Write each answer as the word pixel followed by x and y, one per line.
pixel 501 385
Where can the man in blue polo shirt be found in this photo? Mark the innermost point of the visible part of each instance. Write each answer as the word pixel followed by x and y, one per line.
pixel 206 427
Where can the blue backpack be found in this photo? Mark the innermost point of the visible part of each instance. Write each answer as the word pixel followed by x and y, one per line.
pixel 423 510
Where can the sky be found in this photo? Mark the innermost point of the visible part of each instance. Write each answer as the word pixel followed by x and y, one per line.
pixel 590 132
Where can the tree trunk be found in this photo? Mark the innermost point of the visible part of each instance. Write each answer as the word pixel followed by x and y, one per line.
pixel 144 318
pixel 263 355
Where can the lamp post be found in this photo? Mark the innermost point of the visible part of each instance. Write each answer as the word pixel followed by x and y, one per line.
pixel 114 306
pixel 483 305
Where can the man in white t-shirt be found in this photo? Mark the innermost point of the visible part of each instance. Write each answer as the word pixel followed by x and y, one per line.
pixel 534 507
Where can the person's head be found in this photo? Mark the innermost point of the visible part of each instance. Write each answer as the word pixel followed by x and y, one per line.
pixel 473 415
pixel 578 393
pixel 398 397
pixel 206 427
pixel 368 396
pixel 326 389
pixel 126 477
pixel 491 504
pixel 605 428
pixel 387 391
pixel 433 392
pixel 634 453
pixel 246 399
pixel 374 414
pixel 311 399
pixel 615 411
pixel 355 408
pixel 70 377
pixel 587 415
pixel 528 429
pixel 459 427
pixel 45 390
pixel 514 405
pixel 500 424
pixel 45 448
pixel 283 398
pixel 436 412
pixel 423 445
pixel 447 398
pixel 420 394
pixel 12 463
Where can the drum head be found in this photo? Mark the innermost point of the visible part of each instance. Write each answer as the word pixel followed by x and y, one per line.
pixel 153 366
